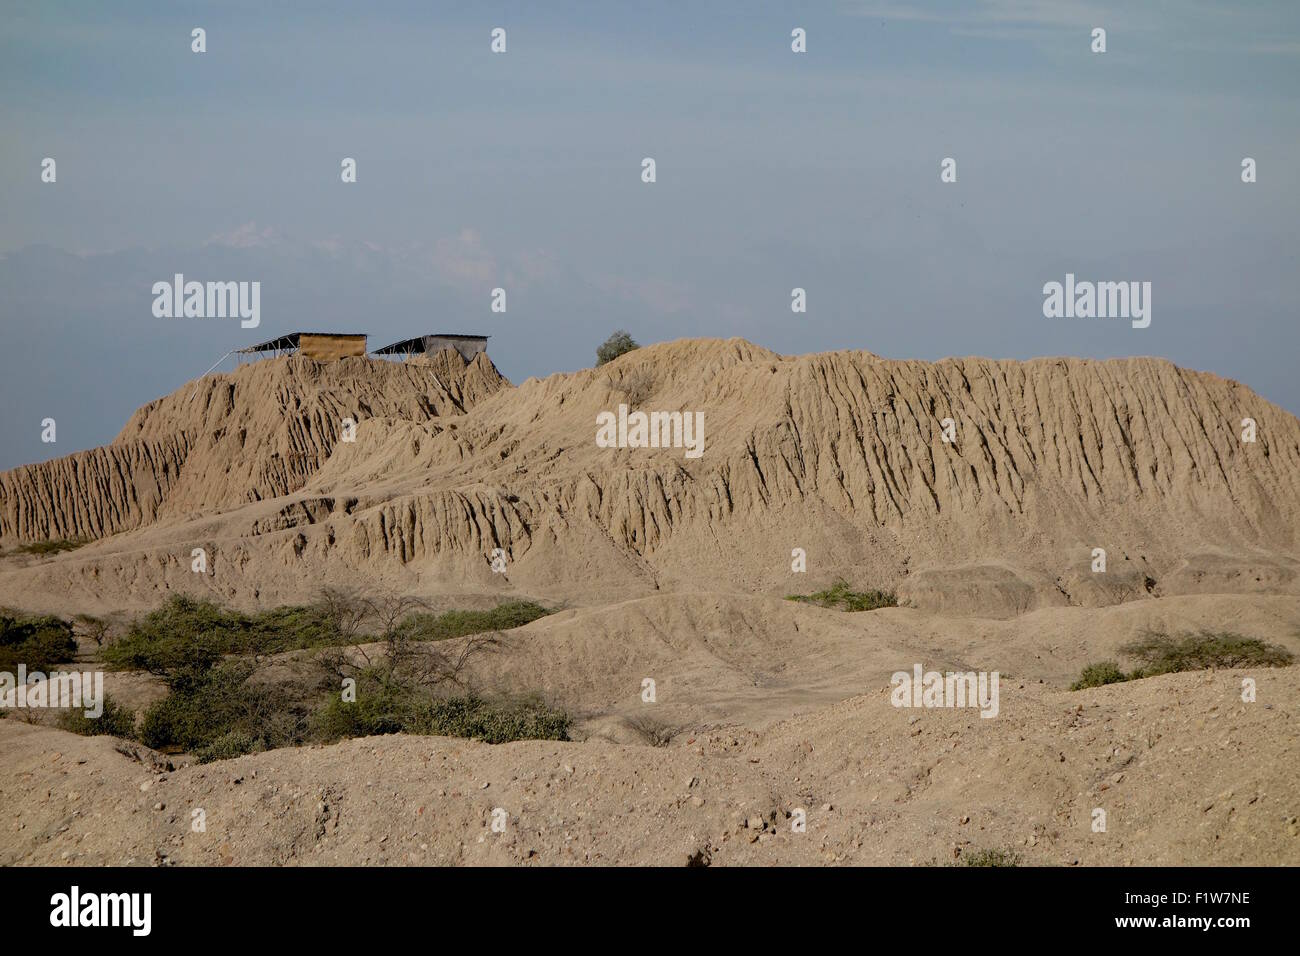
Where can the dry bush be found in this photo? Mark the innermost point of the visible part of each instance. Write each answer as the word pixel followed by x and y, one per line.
pixel 97 629
pixel 653 731
pixel 405 658
pixel 636 384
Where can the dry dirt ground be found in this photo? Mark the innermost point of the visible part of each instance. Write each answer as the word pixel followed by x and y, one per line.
pixel 1184 770
pixel 675 569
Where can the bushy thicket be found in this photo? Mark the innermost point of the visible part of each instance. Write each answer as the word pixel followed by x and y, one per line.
pixel 38 641
pixel 189 631
pixel 385 705
pixel 115 721
pixel 216 709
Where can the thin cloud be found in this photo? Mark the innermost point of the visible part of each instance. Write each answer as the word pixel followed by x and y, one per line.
pixel 247 236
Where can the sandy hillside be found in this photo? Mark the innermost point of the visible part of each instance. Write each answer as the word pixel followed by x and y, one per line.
pixel 228 439
pixel 839 454
pixel 676 569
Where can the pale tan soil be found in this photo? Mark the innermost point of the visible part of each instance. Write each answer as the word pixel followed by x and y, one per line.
pixel 675 570
pixel 1185 771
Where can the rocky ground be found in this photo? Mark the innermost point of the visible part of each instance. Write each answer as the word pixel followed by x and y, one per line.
pixel 1185 771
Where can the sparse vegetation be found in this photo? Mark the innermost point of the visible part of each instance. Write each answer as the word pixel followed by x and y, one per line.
pixel 494 722
pixel 385 705
pixel 1157 653
pixel 43 549
pixel 636 384
pixel 653 731
pixel 992 857
pixel 1098 675
pixel 503 617
pixel 38 641
pixel 93 628
pixel 617 344
pixel 841 596
pixel 187 631
pixel 233 743
pixel 1160 654
pixel 414 686
pixel 115 721
pixel 215 709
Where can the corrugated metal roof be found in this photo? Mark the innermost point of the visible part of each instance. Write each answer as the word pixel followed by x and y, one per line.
pixel 417 344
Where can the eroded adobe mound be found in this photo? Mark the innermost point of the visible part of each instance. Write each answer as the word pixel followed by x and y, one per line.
pixel 228 439
pixel 840 454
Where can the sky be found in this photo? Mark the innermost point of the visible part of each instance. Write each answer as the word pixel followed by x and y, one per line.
pixel 522 170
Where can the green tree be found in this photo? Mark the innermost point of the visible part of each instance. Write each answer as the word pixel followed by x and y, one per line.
pixel 614 346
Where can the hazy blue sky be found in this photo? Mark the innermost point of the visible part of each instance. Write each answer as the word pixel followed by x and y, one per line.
pixel 522 170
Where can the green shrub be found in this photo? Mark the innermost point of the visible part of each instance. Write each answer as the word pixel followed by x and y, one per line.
pixel 1098 675
pixel 189 635
pixel 617 344
pixel 1158 653
pixel 115 721
pixel 494 722
pixel 39 641
pixel 203 653
pixel 503 617
pixel 991 858
pixel 181 662
pixel 233 743
pixel 206 713
pixel 841 596
pixel 197 714
pixel 186 636
pixel 385 706
pixel 45 548
pixel 288 629
pixel 180 642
